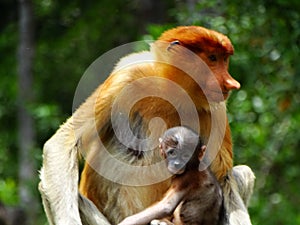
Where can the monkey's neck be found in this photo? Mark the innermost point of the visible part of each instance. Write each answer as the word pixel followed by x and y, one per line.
pixel 184 179
pixel 187 84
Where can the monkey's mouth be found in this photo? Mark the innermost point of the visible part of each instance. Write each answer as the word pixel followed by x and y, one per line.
pixel 175 170
pixel 217 96
pixel 225 94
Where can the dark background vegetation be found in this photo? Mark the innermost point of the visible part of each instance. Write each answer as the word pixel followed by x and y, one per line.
pixel 65 37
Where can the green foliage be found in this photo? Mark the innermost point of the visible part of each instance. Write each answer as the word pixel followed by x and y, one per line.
pixel 70 36
pixel 8 89
pixel 8 191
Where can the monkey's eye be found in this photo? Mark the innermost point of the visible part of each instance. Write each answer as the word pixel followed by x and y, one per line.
pixel 212 58
pixel 172 44
pixel 175 43
pixel 171 153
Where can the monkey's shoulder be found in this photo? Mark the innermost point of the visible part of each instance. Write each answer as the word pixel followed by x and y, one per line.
pixel 139 58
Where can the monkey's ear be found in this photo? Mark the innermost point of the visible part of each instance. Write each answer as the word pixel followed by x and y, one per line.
pixel 160 143
pixel 161 147
pixel 163 154
pixel 173 43
pixel 202 152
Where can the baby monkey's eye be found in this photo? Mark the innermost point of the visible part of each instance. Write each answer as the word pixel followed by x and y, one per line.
pixel 171 153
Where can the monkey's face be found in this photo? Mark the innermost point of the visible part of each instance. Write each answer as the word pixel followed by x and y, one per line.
pixel 208 77
pixel 218 89
pixel 177 160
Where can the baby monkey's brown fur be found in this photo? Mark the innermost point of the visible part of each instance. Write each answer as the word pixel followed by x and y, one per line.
pixel 194 194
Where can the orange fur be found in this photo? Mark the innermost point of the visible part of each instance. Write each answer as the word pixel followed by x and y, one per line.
pixel 199 39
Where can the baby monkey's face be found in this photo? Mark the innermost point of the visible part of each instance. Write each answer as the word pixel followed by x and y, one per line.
pixel 182 149
pixel 176 158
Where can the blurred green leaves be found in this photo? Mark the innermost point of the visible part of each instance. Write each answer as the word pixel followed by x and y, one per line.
pixel 9 191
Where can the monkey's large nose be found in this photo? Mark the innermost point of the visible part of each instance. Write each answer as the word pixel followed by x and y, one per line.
pixel 231 83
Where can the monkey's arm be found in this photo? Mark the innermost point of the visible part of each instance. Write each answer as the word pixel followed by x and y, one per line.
pixel 89 213
pixel 237 189
pixel 59 174
pixel 159 210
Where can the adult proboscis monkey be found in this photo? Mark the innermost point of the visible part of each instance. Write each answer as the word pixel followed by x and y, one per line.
pixel 182 81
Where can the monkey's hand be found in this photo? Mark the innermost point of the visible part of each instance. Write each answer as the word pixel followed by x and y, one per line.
pixel 132 220
pixel 161 222
pixel 126 221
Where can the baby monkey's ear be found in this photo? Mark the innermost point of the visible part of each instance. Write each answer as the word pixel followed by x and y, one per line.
pixel 202 152
pixel 160 140
pixel 163 154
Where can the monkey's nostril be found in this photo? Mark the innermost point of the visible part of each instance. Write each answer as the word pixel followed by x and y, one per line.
pixel 176 163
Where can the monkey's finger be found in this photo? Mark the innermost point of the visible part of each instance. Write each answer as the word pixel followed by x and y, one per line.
pixel 154 222
pixel 158 222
